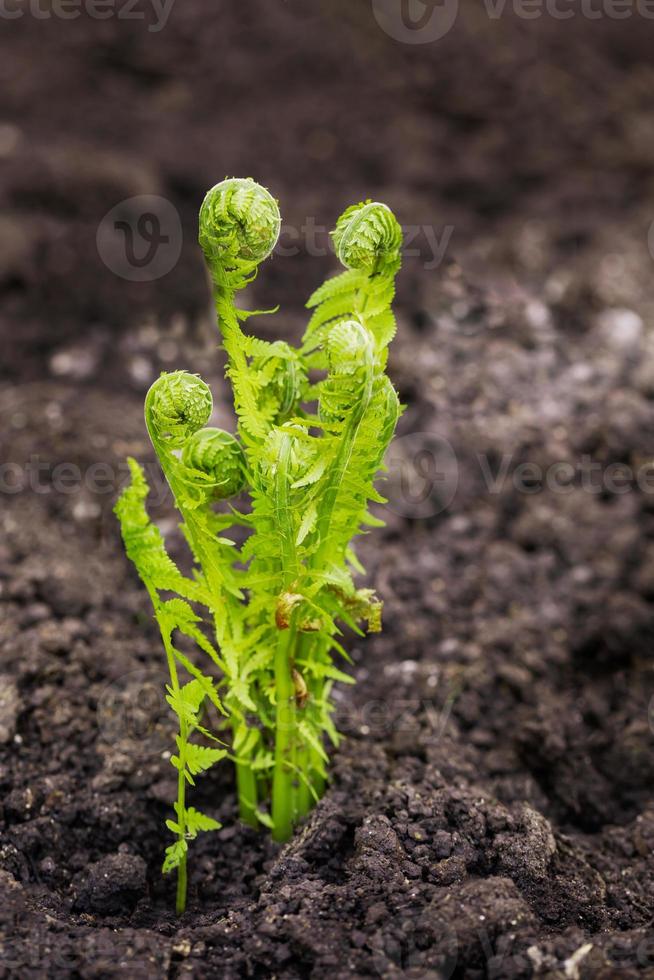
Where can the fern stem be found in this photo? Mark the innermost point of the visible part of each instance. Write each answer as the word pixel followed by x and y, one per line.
pixel 317 779
pixel 246 785
pixel 304 800
pixel 306 792
pixel 283 794
pixel 180 902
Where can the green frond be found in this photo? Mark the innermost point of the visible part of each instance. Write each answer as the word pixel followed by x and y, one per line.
pixel 197 822
pixel 344 282
pixel 144 543
pixel 175 854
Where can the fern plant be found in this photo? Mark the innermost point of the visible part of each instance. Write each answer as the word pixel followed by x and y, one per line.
pixel 293 486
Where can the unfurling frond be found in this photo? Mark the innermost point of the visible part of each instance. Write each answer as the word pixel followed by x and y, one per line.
pixel 144 542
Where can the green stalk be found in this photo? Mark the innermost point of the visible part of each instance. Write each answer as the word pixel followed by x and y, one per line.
pixel 284 776
pixel 283 794
pixel 304 797
pixel 225 302
pixel 180 903
pixel 246 785
pixel 317 779
pixel 304 800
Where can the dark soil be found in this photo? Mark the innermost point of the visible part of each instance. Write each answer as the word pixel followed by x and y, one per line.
pixel 492 806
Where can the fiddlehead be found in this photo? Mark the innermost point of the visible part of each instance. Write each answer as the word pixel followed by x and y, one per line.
pixel 218 455
pixel 367 237
pixel 176 406
pixel 239 225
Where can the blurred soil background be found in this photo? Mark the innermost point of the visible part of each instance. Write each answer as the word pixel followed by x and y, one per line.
pixel 492 810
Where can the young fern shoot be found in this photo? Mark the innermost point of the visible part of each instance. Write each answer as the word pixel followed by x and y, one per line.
pixel 307 454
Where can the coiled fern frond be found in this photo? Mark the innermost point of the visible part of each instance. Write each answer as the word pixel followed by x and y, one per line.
pixel 179 405
pixel 239 225
pixel 367 237
pixel 218 459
